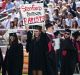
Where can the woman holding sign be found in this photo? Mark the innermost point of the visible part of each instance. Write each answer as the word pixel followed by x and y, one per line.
pixel 37 50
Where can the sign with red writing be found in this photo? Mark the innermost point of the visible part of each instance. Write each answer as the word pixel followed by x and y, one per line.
pixel 32 13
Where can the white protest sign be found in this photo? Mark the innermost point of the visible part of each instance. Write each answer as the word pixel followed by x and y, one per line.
pixel 32 13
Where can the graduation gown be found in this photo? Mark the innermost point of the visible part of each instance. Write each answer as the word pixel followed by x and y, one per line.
pixel 68 54
pixel 51 56
pixel 37 51
pixel 14 59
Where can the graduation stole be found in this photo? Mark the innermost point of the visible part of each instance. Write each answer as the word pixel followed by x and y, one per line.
pixel 50 46
pixel 78 48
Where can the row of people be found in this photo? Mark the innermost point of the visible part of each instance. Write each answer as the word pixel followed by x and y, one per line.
pixel 43 57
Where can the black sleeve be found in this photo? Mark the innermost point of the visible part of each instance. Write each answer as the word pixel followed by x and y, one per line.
pixel 28 41
pixel 21 50
pixel 74 53
pixel 1 58
pixel 20 59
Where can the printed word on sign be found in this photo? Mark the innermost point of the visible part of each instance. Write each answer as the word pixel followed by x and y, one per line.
pixel 32 20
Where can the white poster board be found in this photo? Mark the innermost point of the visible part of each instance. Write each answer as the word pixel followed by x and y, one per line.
pixel 32 13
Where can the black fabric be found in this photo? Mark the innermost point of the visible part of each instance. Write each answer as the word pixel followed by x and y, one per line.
pixel 13 34
pixel 51 63
pixel 39 56
pixel 14 59
pixel 1 58
pixel 69 60
pixel 36 49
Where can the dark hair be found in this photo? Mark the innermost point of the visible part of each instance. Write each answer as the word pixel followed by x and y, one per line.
pixel 15 40
pixel 74 25
pixel 38 27
pixel 15 21
pixel 12 23
pixel 48 25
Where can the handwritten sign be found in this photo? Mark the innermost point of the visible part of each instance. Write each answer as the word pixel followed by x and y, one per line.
pixel 32 13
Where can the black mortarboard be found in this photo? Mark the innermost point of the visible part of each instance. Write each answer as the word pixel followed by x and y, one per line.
pixel 68 30
pixel 56 33
pixel 13 34
pixel 38 27
pixel 48 25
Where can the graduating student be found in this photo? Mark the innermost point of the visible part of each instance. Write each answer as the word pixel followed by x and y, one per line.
pixel 68 55
pixel 37 50
pixel 14 56
pixel 51 55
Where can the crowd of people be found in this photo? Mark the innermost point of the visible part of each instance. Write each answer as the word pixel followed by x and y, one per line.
pixel 62 13
pixel 51 51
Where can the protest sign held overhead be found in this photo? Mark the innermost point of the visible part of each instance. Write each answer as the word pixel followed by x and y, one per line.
pixel 32 13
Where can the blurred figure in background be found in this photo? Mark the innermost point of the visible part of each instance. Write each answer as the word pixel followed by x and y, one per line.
pixel 68 55
pixel 75 25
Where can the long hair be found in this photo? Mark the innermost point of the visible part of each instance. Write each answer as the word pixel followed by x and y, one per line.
pixel 75 25
pixel 15 40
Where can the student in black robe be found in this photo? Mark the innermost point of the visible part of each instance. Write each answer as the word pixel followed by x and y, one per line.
pixel 68 55
pixel 37 50
pixel 14 56
pixel 51 55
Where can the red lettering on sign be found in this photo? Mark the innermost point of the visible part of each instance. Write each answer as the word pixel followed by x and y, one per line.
pixel 32 20
pixel 31 8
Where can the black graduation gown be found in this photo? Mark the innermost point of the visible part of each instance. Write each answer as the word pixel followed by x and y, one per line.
pixel 51 58
pixel 14 59
pixel 68 57
pixel 37 51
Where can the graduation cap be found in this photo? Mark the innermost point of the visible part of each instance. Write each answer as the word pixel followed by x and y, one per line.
pixel 13 34
pixel 56 33
pixel 38 27
pixel 48 25
pixel 68 30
